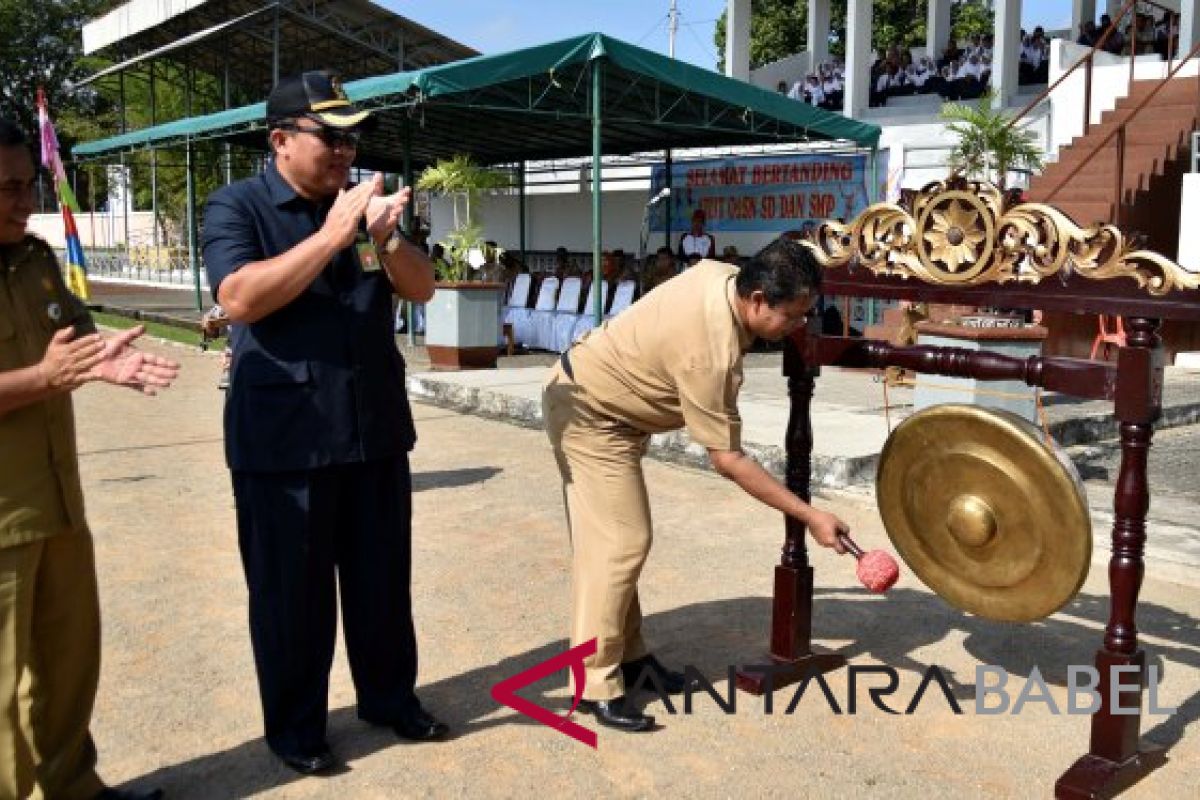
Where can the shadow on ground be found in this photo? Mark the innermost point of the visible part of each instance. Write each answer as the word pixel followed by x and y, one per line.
pixel 452 478
pixel 711 636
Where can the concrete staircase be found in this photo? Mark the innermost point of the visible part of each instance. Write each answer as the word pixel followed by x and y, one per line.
pixel 1157 150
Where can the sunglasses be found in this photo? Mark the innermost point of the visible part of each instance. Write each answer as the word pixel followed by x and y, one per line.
pixel 330 137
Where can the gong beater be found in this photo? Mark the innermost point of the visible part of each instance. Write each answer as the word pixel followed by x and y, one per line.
pixel 984 512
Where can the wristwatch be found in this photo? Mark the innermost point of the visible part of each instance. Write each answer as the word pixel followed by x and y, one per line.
pixel 393 242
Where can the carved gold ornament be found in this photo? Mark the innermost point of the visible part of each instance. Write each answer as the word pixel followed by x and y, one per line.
pixel 959 232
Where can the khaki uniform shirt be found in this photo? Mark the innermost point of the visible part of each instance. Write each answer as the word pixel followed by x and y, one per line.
pixel 672 360
pixel 40 493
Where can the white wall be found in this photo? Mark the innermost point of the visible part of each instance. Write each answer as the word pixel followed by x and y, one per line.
pixel 790 70
pixel 918 151
pixel 1110 82
pixel 565 219
pixel 1189 212
pixel 96 229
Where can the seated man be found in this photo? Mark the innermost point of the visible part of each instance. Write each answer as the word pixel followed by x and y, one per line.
pixel 660 270
pixel 673 360
pixel 696 244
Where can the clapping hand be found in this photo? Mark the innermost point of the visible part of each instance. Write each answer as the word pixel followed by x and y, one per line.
pixel 341 223
pixel 69 362
pixel 121 364
pixel 385 211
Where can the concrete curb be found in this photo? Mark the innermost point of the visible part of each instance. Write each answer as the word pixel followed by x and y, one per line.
pixel 831 472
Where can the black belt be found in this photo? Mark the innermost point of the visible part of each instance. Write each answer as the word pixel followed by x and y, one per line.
pixel 565 360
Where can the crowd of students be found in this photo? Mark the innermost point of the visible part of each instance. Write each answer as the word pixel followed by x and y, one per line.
pixel 1144 35
pixel 964 72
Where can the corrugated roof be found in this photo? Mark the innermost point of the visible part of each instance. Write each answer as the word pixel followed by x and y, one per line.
pixel 536 103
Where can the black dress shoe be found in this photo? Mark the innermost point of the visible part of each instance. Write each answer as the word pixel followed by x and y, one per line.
pixel 109 793
pixel 672 682
pixel 309 764
pixel 418 726
pixel 617 714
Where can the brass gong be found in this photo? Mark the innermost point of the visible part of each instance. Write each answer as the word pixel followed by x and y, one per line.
pixel 984 512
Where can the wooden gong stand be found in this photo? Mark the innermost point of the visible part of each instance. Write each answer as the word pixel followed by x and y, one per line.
pixel 1133 385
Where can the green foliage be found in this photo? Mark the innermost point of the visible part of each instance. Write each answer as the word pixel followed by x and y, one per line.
pixel 208 157
pixel 172 333
pixel 458 245
pixel 972 18
pixel 988 147
pixel 779 28
pixel 41 46
pixel 461 178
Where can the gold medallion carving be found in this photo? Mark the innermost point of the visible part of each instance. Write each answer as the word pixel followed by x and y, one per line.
pixel 964 233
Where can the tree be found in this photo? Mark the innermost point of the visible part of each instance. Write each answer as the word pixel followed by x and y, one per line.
pixel 987 145
pixel 779 28
pixel 42 46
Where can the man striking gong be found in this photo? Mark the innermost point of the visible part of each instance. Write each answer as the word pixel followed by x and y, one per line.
pixel 672 360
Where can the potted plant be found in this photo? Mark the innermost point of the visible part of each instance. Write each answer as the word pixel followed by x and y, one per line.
pixel 462 327
pixel 988 145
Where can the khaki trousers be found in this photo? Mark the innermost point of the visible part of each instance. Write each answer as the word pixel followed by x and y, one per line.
pixel 49 668
pixel 608 515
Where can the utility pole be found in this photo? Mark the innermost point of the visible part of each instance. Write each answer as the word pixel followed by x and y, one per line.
pixel 672 27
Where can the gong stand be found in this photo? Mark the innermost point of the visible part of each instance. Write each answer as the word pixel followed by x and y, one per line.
pixel 969 244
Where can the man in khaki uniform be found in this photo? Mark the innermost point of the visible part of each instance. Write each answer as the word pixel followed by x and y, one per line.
pixel 49 613
pixel 672 360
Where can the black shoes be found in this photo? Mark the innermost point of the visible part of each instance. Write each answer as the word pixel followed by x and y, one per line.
pixel 314 764
pixel 109 793
pixel 616 713
pixel 415 725
pixel 671 682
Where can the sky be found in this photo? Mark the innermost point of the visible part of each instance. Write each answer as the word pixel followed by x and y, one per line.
pixel 495 26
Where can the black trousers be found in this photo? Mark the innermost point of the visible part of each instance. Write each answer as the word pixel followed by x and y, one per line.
pixel 295 530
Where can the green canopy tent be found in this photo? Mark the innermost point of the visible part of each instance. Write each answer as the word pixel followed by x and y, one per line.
pixel 587 95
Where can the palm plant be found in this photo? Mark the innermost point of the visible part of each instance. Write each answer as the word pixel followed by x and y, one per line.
pixel 988 144
pixel 462 179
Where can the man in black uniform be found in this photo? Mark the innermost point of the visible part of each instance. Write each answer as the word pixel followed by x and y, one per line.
pixel 317 423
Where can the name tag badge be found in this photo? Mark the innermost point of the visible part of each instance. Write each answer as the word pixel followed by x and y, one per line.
pixel 368 256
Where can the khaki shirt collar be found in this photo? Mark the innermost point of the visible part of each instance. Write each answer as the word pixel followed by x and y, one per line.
pixel 745 337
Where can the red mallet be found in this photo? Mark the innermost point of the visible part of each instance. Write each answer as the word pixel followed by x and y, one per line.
pixel 877 570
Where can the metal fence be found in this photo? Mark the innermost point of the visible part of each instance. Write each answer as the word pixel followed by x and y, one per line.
pixel 160 266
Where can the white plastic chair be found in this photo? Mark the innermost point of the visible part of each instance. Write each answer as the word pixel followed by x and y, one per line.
pixel 516 303
pixel 522 318
pixel 585 320
pixel 543 322
pixel 518 295
pixel 622 298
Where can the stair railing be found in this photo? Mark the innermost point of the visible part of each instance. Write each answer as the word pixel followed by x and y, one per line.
pixel 1086 64
pixel 1118 134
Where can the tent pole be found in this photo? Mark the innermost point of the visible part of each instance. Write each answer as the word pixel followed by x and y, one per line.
pixel 670 205
pixel 597 106
pixel 124 179
pixel 275 48
pixel 521 207
pixel 874 195
pixel 154 169
pixel 193 261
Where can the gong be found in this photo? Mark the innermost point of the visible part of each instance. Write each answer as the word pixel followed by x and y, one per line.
pixel 985 512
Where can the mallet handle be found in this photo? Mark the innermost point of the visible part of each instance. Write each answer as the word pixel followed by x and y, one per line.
pixel 849 544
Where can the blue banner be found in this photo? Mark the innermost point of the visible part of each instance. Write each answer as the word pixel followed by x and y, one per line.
pixel 765 193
